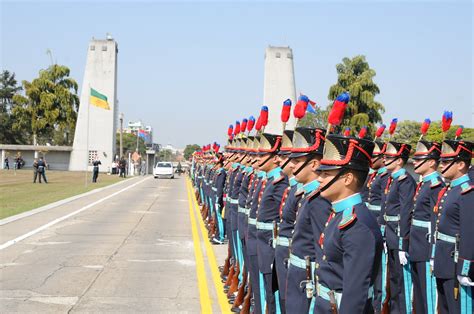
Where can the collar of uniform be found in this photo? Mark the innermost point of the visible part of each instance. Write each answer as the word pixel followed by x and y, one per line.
pixel 398 173
pixel 262 174
pixel 219 170
pixel 371 170
pixel 310 187
pixel 347 202
pixel 432 176
pixel 248 169
pixel 274 173
pixel 460 180
pixel 293 181
pixel 382 170
pixel 235 165
pixel 242 166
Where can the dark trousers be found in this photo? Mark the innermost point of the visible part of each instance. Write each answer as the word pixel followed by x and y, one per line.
pixel 255 282
pixel 296 299
pixel 269 296
pixel 95 175
pixel 42 174
pixel 282 253
pixel 446 302
pixel 397 287
pixel 424 288
pixel 122 172
pixel 35 175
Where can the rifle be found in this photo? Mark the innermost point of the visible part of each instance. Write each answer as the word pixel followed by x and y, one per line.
pixel 225 268
pixel 239 299
pixel 309 278
pixel 456 256
pixel 275 233
pixel 332 301
pixel 247 301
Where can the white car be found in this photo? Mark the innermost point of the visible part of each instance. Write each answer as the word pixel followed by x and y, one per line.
pixel 163 170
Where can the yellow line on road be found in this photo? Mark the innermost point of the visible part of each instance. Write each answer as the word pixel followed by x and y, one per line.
pixel 221 297
pixel 201 273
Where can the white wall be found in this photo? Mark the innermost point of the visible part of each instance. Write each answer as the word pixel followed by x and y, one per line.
pixel 279 85
pixel 99 132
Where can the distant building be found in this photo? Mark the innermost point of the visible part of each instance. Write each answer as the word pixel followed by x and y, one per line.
pixel 144 131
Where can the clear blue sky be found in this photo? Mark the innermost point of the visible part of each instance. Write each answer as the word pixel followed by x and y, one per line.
pixel 190 69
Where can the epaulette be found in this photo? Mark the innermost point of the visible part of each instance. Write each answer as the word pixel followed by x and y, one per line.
pixel 348 217
pixel 313 194
pixel 435 182
pixel 402 177
pixel 278 179
pixel 466 187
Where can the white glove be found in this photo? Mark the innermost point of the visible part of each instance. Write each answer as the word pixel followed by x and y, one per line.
pixel 403 257
pixel 432 263
pixel 465 281
pixel 385 247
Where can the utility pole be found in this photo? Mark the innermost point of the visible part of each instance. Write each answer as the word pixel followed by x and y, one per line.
pixel 121 135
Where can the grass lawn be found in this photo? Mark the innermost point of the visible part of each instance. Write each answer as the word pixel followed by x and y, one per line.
pixel 19 194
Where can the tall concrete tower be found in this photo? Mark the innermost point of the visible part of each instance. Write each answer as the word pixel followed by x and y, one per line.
pixel 279 85
pixel 96 126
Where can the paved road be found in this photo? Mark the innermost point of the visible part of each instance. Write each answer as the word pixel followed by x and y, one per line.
pixel 139 250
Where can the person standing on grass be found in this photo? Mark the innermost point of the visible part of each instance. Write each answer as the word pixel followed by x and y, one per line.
pixel 42 170
pixel 95 175
pixel 6 164
pixel 35 170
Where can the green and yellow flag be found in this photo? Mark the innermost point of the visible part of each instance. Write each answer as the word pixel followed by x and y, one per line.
pixel 99 100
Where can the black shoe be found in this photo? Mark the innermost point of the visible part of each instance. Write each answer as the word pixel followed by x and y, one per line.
pixel 236 309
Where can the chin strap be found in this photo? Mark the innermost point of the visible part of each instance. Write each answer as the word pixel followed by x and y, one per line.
pixel 393 160
pixel 308 159
pixel 421 164
pixel 326 186
pixel 449 166
pixel 269 157
pixel 285 163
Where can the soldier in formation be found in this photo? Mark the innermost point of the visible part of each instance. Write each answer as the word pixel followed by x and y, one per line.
pixel 321 222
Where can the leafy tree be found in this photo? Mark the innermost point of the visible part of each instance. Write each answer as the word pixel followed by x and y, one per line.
pixel 129 141
pixel 190 149
pixel 8 88
pixel 166 155
pixel 50 105
pixel 356 77
pixel 409 132
pixel 316 120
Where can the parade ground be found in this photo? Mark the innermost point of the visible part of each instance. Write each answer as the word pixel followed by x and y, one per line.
pixel 18 193
pixel 137 246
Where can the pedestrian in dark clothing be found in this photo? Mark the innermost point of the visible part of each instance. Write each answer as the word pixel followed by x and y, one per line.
pixel 7 165
pixel 35 170
pixel 123 165
pixel 42 170
pixel 95 175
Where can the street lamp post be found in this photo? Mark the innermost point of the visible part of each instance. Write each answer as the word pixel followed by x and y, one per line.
pixel 121 137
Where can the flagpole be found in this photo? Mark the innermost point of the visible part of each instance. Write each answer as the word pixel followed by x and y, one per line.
pixel 87 140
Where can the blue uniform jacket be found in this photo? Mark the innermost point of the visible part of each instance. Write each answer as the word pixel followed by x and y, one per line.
pixel 268 212
pixel 352 248
pixel 398 202
pixel 421 237
pixel 456 217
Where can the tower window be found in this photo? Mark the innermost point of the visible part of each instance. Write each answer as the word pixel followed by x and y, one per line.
pixel 278 55
pixel 104 48
pixel 92 47
pixel 289 55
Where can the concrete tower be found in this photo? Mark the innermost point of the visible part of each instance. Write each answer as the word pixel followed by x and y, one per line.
pixel 96 127
pixel 279 85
